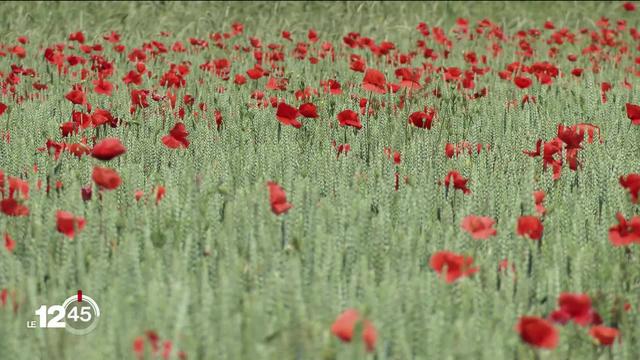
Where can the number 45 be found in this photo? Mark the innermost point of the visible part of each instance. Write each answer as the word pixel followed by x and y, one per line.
pixel 58 320
pixel 85 314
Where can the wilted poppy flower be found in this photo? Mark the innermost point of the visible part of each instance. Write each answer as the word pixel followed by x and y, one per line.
pixel 422 119
pixel 633 113
pixel 455 265
pixel 9 243
pixel 308 110
pixel 458 181
pixel 631 182
pixel 278 199
pixel 625 233
pixel 345 324
pixel 349 118
pixel 604 335
pixel 86 193
pixel 537 332
pixel 68 224
pixel 374 81
pixel 106 178
pixel 479 227
pixel 530 226
pixel 11 207
pixel 287 115
pixel 177 137
pixel 108 149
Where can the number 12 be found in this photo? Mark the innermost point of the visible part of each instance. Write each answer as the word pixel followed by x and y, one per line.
pixel 56 322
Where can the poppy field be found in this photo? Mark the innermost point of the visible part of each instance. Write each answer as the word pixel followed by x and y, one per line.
pixel 322 180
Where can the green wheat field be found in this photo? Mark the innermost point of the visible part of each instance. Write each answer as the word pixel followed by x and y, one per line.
pixel 321 180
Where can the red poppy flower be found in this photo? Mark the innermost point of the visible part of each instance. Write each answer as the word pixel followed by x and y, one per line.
pixel 397 157
pixel 538 197
pixel 138 194
pixel 576 307
pixel 16 185
pixel 479 227
pixel 590 130
pixel 132 77
pixel 11 207
pixel 256 72
pixel 160 191
pixel 139 98
pixel 604 335
pixel 530 226
pixel 625 233
pixel 410 78
pixel 79 149
pixel 571 136
pixel 3 108
pixel 308 110
pixel 458 181
pixel 9 243
pixel 77 36
pixel 102 117
pixel 77 97
pixel 455 265
pixel 68 224
pixel 106 178
pixel 68 128
pixel 108 149
pixel 349 118
pixel 102 86
pixel 138 347
pixel 4 294
pixel 631 182
pixel 278 199
pixel 522 82
pixel 422 119
pixel 374 81
pixel 537 332
pixel 343 327
pixel 342 148
pixel 629 6
pixel 287 115
pixel 633 113
pixel 177 137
